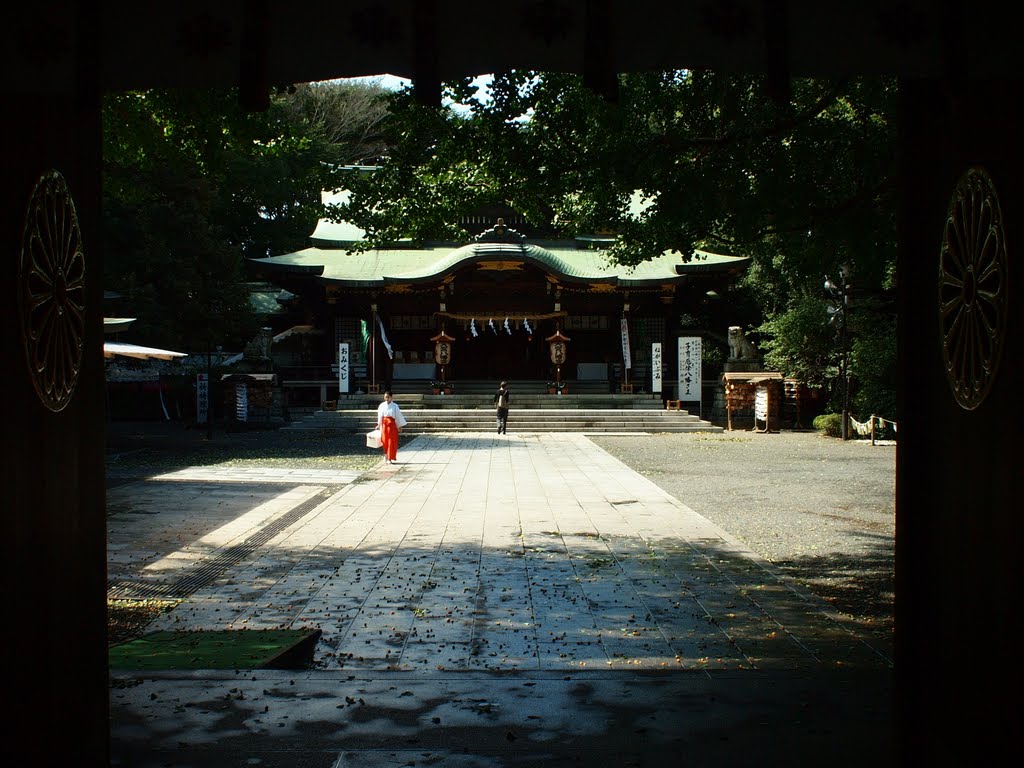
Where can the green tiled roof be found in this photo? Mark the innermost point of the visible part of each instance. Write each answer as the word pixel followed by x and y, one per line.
pixel 328 261
pixel 265 303
pixel 336 233
pixel 563 259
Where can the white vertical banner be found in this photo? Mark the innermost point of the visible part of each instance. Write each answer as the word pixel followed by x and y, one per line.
pixel 343 368
pixel 656 368
pixel 384 338
pixel 761 404
pixel 241 402
pixel 626 363
pixel 202 397
pixel 689 368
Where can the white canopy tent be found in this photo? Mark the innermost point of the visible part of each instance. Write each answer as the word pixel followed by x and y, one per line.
pixel 113 349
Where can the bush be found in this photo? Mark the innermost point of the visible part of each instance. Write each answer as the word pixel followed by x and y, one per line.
pixel 830 424
pixel 873 362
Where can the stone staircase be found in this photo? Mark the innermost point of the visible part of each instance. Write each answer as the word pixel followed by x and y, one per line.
pixel 486 387
pixel 540 413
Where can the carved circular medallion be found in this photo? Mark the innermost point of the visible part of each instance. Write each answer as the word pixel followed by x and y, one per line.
pixel 51 291
pixel 973 288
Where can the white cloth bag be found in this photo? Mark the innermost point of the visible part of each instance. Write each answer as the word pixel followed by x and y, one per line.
pixel 373 439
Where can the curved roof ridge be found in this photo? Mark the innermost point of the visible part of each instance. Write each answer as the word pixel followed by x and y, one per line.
pixel 396 265
pixel 531 253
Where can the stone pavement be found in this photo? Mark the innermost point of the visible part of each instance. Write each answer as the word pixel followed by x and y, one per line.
pixel 489 600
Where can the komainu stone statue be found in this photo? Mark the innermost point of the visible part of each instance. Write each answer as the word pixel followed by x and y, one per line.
pixel 259 347
pixel 740 347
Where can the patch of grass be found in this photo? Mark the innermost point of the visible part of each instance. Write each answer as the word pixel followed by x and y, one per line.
pixel 128 619
pixel 227 649
pixel 248 450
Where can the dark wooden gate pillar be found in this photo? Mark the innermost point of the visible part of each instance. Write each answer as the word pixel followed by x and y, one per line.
pixel 54 547
pixel 958 495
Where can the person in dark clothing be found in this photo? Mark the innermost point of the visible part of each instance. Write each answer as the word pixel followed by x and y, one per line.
pixel 501 398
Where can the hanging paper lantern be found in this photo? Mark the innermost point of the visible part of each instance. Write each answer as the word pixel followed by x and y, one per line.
pixel 557 342
pixel 443 347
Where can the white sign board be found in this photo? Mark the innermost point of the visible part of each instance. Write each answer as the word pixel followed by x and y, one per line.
pixel 761 404
pixel 626 362
pixel 202 398
pixel 241 402
pixel 344 368
pixel 689 368
pixel 656 368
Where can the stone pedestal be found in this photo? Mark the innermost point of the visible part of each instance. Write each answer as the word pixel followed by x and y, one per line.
pixel 742 366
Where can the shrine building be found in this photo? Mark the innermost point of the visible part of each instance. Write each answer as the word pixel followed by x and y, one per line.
pixel 499 299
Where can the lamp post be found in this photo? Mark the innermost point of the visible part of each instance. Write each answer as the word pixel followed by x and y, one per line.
pixel 840 294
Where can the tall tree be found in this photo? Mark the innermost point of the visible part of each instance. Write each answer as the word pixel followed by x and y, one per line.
pixel 802 185
pixel 347 117
pixel 193 185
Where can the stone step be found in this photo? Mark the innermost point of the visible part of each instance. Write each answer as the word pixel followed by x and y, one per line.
pixel 484 401
pixel 423 420
pixel 488 386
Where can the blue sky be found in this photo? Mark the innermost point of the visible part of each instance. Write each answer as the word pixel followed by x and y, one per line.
pixel 394 83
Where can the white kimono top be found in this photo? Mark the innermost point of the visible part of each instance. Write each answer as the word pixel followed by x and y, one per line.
pixel 390 409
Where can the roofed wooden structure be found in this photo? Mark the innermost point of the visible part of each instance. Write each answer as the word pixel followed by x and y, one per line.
pixel 493 293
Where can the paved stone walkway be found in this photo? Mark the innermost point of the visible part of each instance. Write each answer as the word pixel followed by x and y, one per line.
pixel 525 552
pixel 490 601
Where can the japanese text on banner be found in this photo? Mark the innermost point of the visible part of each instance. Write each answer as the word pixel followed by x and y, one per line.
pixel 656 367
pixel 202 397
pixel 241 402
pixel 689 368
pixel 761 404
pixel 343 368
pixel 626 363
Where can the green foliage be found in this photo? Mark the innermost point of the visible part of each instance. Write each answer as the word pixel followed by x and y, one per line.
pixel 830 424
pixel 799 342
pixel 721 165
pixel 347 119
pixel 194 185
pixel 712 355
pixel 683 160
pixel 873 361
pixel 178 271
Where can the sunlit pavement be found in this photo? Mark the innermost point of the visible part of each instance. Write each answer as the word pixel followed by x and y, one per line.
pixel 489 600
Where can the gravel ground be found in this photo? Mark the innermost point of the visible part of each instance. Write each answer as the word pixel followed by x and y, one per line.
pixel 820 509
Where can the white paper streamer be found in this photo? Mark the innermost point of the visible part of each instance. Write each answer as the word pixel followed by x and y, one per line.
pixel 384 338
